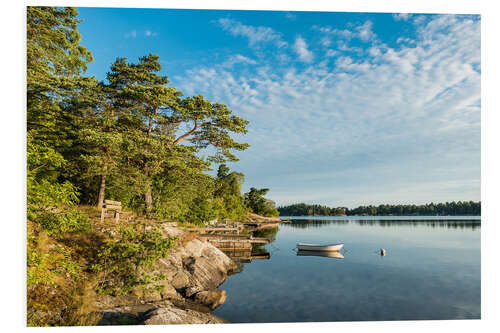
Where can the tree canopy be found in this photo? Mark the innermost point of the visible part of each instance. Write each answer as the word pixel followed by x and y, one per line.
pixel 431 209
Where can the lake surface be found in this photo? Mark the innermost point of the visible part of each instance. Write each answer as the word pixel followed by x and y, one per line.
pixel 432 270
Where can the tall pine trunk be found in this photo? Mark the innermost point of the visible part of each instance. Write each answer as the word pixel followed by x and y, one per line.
pixel 149 200
pixel 102 187
pixel 148 195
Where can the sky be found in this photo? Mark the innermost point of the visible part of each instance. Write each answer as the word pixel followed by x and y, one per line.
pixel 345 109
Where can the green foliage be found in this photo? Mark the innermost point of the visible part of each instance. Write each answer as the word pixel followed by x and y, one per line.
pixel 132 139
pixel 432 209
pixel 54 63
pixel 127 262
pixel 255 200
pixel 45 268
pixel 50 204
pixel 229 202
pixel 200 212
pixel 212 123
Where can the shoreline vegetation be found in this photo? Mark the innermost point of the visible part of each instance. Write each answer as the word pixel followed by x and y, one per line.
pixel 465 208
pixel 136 141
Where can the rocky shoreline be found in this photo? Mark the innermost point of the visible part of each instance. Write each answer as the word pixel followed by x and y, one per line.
pixel 194 272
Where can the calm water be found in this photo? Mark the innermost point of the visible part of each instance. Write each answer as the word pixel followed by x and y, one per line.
pixel 431 271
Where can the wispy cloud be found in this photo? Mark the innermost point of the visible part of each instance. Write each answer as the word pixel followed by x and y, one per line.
pixel 331 53
pixel 149 33
pixel 300 47
pixel 409 114
pixel 361 31
pixel 342 37
pixel 238 58
pixel 254 34
pixel 401 16
pixel 134 33
pixel 131 34
pixel 344 33
pixel 291 16
pixel 365 32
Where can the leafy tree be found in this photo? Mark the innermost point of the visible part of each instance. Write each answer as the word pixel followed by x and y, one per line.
pixel 230 202
pixel 255 200
pixel 55 61
pixel 211 126
pixel 145 103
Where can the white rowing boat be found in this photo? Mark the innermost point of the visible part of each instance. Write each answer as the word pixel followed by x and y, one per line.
pixel 318 247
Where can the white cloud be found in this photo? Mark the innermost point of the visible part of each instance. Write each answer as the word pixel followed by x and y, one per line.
pixel 331 53
pixel 134 33
pixel 238 58
pixel 291 16
pixel 343 46
pixel 365 32
pixel 300 47
pixel 419 19
pixel 408 116
pixel 401 16
pixel 131 34
pixel 326 42
pixel 347 34
pixel 149 33
pixel 405 40
pixel 255 35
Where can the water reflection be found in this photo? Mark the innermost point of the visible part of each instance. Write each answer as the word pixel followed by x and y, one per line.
pixel 432 271
pixel 454 224
pixel 256 252
pixel 336 255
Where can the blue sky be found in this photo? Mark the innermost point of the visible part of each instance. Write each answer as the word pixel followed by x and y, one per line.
pixel 345 109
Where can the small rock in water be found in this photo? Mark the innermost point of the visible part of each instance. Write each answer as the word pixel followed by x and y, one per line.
pixel 382 252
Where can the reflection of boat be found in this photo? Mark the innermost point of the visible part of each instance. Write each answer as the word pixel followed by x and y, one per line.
pixel 318 247
pixel 331 254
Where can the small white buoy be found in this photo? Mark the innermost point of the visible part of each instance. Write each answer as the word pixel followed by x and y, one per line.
pixel 382 252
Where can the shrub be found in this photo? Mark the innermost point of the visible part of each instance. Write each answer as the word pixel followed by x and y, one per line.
pixel 127 262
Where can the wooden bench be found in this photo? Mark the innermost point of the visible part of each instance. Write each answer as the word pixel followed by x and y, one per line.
pixel 115 206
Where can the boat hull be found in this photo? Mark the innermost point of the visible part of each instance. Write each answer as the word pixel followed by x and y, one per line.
pixel 321 248
pixel 326 254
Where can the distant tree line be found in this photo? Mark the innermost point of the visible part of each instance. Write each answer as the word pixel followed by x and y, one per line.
pixel 431 209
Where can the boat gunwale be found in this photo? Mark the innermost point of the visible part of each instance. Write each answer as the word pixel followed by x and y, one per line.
pixel 320 248
pixel 319 245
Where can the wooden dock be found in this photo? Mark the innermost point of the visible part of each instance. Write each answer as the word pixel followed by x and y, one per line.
pixel 226 244
pixel 246 256
pixel 238 246
pixel 261 225
pixel 218 230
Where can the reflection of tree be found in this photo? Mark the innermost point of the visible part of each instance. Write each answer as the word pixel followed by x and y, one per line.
pixel 264 233
pixel 420 223
pixel 303 224
pixel 269 233
pixel 257 249
pixel 455 224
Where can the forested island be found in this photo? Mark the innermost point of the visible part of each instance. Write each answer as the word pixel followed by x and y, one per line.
pixel 465 208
